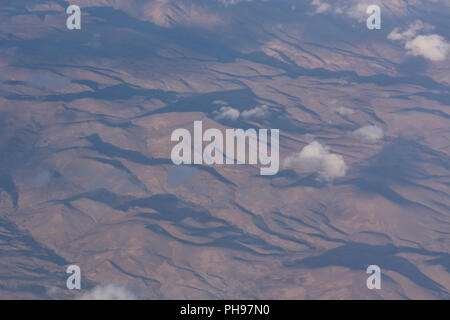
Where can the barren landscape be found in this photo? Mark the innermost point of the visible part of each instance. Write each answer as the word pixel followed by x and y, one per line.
pixel 86 176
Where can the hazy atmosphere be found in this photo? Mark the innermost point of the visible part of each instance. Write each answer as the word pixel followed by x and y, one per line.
pixel 349 166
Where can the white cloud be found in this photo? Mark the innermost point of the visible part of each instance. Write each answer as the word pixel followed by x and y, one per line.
pixel 321 6
pixel 317 158
pixel 356 9
pixel 343 111
pixel 227 113
pixel 109 292
pixel 432 47
pixel 259 112
pixel 410 32
pixel 369 133
pixel 232 2
pixel 220 102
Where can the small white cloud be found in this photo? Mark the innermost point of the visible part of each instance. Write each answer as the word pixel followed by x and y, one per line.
pixel 352 8
pixel 232 2
pixel 109 292
pixel 227 113
pixel 358 11
pixel 321 6
pixel 343 111
pixel 260 112
pixel 410 32
pixel 432 47
pixel 369 133
pixel 220 102
pixel 317 158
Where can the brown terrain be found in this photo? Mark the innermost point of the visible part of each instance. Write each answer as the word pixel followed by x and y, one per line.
pixel 86 177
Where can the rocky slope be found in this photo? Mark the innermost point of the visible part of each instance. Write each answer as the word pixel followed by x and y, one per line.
pixel 86 177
